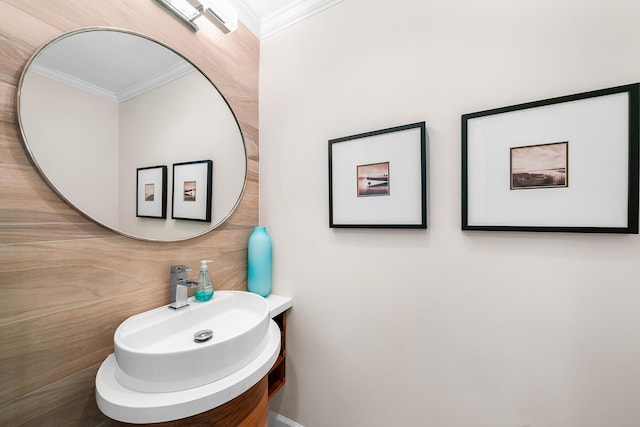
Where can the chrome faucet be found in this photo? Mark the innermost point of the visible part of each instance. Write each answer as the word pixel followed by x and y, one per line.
pixel 179 285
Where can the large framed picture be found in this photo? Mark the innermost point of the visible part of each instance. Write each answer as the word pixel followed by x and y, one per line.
pixel 566 164
pixel 378 179
pixel 151 192
pixel 192 190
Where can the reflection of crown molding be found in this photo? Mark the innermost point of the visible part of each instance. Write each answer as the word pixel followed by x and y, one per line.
pixel 165 76
pixel 293 14
pixel 73 82
pixel 247 16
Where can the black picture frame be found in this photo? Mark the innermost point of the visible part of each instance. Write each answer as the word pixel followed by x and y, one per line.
pixel 378 179
pixel 192 190
pixel 151 192
pixel 601 130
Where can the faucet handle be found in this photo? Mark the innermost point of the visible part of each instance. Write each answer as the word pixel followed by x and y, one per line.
pixel 178 285
pixel 179 268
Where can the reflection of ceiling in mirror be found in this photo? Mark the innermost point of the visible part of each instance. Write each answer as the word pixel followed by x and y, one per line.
pixel 135 64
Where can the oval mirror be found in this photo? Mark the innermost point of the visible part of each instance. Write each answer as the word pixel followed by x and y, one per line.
pixel 131 134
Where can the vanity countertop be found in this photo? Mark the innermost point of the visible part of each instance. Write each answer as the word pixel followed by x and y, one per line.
pixel 278 304
pixel 127 405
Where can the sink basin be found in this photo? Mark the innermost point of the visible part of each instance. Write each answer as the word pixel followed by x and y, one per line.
pixel 155 351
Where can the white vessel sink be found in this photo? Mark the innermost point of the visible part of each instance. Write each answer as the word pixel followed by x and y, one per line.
pixel 155 351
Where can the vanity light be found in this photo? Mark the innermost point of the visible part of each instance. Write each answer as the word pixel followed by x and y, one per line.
pixel 218 12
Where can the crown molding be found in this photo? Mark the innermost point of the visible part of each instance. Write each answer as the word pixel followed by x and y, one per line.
pixel 293 14
pixel 169 74
pixel 247 16
pixel 73 82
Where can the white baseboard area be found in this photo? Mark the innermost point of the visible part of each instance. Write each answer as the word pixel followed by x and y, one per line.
pixel 277 420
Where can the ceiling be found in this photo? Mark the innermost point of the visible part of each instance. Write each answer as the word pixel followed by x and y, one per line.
pixel 131 72
pixel 267 17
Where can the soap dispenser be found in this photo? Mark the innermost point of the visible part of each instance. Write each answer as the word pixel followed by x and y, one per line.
pixel 205 284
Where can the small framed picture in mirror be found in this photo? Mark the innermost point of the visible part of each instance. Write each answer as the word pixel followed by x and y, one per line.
pixel 192 190
pixel 151 188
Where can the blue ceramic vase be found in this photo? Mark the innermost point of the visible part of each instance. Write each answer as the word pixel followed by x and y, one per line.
pixel 259 262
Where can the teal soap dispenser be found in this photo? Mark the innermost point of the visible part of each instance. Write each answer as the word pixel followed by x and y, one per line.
pixel 205 284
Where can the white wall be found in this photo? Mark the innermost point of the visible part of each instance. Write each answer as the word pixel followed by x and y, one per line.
pixel 442 327
pixel 71 134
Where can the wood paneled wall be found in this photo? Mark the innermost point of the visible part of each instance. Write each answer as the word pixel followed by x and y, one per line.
pixel 66 283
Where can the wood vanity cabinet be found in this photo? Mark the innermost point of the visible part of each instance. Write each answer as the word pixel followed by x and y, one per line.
pixel 250 409
pixel 276 376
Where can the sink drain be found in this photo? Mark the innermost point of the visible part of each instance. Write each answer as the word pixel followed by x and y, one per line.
pixel 203 336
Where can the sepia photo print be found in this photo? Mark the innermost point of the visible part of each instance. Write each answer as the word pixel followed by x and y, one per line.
pixel 189 194
pixel 373 179
pixel 540 166
pixel 149 192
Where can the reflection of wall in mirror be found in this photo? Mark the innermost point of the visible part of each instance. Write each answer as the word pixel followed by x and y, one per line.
pixel 190 124
pixel 185 119
pixel 66 124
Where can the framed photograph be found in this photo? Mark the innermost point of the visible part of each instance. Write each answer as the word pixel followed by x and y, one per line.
pixel 566 164
pixel 378 179
pixel 192 190
pixel 373 180
pixel 151 192
pixel 539 166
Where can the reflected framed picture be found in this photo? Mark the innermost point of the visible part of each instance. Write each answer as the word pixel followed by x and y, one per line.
pixel 192 190
pixel 566 164
pixel 151 192
pixel 378 179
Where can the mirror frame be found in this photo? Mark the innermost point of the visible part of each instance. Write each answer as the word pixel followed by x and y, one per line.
pixel 43 175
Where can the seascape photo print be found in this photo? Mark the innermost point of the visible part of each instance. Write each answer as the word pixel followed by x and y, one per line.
pixel 373 179
pixel 149 192
pixel 540 166
pixel 189 191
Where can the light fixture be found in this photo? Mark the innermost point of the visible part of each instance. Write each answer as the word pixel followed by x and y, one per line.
pixel 218 12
